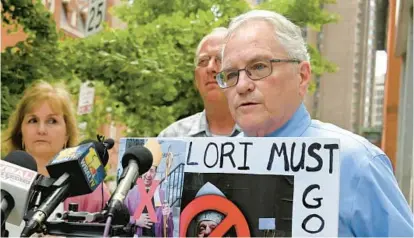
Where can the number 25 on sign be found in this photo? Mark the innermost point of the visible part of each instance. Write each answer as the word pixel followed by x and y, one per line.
pixel 96 16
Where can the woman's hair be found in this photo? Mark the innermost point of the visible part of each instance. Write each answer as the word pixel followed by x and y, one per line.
pixel 59 100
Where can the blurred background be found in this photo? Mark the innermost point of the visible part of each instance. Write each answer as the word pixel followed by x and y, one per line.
pixel 129 64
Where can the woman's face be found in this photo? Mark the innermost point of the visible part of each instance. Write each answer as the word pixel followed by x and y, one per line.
pixel 44 132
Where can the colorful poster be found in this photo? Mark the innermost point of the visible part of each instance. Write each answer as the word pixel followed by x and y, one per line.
pixel 154 202
pixel 251 187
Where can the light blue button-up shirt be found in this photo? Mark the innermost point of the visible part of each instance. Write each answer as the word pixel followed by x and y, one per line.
pixel 371 203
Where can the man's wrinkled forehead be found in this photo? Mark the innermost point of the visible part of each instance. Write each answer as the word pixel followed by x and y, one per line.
pixel 243 56
pixel 243 33
pixel 248 43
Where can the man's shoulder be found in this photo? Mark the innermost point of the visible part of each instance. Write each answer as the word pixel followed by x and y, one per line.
pixel 351 144
pixel 181 127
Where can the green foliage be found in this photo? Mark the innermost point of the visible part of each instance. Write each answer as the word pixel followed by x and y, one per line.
pixel 302 12
pixel 144 73
pixel 30 59
pixel 149 66
pixel 104 109
pixel 319 64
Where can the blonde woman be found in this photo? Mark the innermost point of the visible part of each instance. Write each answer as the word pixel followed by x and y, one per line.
pixel 43 124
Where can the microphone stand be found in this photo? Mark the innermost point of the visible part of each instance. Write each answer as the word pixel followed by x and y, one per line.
pixel 4 231
pixel 84 224
pixel 75 229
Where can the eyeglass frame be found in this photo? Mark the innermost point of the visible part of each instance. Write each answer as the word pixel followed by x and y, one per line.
pixel 244 69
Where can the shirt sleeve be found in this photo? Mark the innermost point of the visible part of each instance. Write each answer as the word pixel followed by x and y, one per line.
pixel 91 202
pixel 379 208
pixel 170 131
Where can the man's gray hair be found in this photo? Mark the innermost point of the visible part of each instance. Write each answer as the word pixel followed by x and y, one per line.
pixel 288 34
pixel 218 30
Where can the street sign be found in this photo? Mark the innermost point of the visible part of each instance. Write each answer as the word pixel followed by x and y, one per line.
pixel 86 97
pixel 96 16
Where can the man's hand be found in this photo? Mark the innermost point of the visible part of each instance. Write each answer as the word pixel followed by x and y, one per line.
pixel 144 221
pixel 166 210
pixel 154 146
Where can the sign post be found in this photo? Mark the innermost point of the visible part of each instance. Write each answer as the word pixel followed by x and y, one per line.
pixel 96 16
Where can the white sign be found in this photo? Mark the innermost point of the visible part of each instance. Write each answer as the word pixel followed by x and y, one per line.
pixel 86 98
pixel 311 163
pixel 251 187
pixel 96 16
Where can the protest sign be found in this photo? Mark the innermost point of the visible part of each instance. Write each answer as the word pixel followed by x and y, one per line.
pixel 267 187
pixel 283 186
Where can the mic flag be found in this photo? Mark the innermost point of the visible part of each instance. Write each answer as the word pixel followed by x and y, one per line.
pixel 84 165
pixel 17 181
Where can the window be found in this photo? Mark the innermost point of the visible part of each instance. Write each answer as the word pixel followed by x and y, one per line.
pixel 380 100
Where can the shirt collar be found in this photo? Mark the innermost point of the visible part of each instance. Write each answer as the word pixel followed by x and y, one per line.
pixel 296 125
pixel 201 126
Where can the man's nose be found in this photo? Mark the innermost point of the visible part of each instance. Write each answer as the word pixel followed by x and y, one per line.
pixel 244 84
pixel 213 65
pixel 208 230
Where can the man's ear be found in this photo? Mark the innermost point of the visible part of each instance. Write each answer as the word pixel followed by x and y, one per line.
pixel 305 77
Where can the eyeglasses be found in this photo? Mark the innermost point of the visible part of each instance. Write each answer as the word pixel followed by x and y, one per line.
pixel 255 71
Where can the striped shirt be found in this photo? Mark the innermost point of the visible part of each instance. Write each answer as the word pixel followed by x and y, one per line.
pixel 193 126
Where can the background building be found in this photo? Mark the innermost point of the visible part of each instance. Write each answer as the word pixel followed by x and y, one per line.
pixel 377 103
pixel 397 136
pixel 346 97
pixel 333 98
pixel 69 15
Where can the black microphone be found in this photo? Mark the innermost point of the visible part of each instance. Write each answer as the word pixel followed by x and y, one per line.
pixel 18 174
pixel 78 170
pixel 22 159
pixel 109 143
pixel 136 161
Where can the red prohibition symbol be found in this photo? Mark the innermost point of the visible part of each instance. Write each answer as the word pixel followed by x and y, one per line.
pixel 232 215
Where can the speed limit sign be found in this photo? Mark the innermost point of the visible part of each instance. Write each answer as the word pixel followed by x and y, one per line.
pixel 96 16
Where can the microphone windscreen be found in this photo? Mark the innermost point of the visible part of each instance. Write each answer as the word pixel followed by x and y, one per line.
pixel 109 143
pixel 141 154
pixel 122 215
pixel 22 159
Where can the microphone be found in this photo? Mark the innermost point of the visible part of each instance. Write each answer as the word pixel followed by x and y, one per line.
pixel 18 173
pixel 136 161
pixel 85 165
pixel 77 170
pixel 109 143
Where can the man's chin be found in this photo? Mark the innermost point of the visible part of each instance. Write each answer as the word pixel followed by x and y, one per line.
pixel 214 94
pixel 250 126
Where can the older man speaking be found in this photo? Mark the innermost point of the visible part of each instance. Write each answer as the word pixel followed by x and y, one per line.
pixel 265 75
